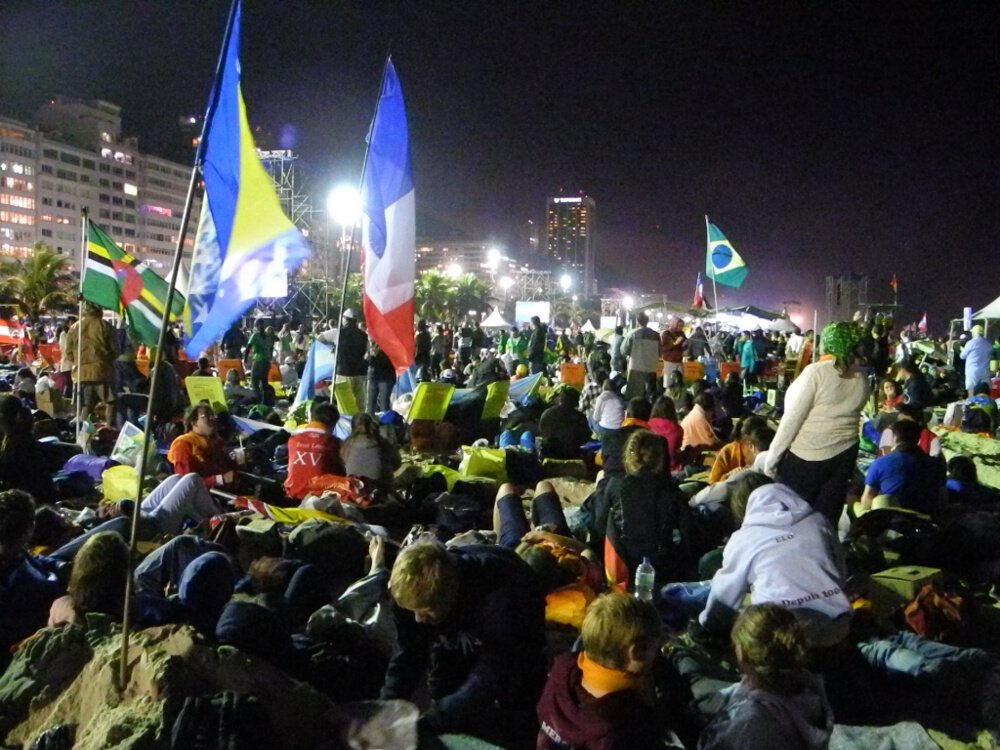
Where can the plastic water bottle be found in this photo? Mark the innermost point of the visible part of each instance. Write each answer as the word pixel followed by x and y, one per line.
pixel 645 580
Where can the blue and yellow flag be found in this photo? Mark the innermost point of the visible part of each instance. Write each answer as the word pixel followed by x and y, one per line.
pixel 244 239
pixel 722 262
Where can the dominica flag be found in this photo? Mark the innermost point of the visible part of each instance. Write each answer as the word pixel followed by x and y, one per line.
pixel 722 262
pixel 117 281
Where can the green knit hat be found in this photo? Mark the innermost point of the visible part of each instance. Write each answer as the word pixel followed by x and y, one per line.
pixel 840 338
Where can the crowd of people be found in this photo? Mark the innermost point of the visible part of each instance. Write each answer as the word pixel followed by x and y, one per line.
pixel 761 488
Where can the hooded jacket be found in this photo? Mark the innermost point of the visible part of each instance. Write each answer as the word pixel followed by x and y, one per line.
pixel 570 717
pixel 762 720
pixel 785 553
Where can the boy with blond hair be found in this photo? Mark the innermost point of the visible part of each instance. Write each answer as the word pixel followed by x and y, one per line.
pixel 603 698
pixel 471 620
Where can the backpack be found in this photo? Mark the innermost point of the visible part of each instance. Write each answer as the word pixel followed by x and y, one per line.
pixel 975 419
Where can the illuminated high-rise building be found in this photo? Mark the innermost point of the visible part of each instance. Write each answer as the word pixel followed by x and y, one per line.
pixel 569 239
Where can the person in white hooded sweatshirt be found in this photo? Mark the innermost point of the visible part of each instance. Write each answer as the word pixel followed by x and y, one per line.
pixel 785 552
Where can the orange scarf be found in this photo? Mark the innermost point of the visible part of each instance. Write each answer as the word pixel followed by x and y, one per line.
pixel 604 678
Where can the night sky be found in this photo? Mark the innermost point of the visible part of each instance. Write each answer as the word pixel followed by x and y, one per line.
pixel 820 137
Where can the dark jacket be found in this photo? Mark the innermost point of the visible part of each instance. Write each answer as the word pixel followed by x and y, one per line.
pixel 536 344
pixel 422 348
pixel 380 367
pixel 489 649
pixel 571 718
pixel 643 515
pixel 564 429
pixel 27 590
pixel 918 391
pixel 353 348
pixel 613 448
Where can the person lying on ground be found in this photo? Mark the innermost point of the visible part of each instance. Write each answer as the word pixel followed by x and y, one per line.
pixel 547 544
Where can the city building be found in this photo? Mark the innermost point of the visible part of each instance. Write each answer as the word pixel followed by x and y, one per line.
pixel 73 157
pixel 459 256
pixel 569 238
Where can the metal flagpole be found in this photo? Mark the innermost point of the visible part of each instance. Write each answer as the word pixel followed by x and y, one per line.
pixel 154 361
pixel 354 231
pixel 84 219
pixel 715 289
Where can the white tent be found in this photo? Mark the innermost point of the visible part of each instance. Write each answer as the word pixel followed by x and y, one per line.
pixel 990 312
pixel 781 324
pixel 495 320
pixel 588 326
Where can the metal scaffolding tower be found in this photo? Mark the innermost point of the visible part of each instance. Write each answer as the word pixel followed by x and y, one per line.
pixel 311 290
pixel 533 285
pixel 280 165
pixel 845 295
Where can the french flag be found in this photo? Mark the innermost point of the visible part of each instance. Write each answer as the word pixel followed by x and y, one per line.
pixel 389 231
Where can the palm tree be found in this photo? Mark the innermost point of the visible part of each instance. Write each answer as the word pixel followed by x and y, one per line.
pixel 354 298
pixel 432 295
pixel 470 294
pixel 37 284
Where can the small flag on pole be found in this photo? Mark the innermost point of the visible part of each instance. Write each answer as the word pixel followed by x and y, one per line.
pixel 244 239
pixel 893 284
pixel 922 325
pixel 699 294
pixel 115 280
pixel 388 230
pixel 722 262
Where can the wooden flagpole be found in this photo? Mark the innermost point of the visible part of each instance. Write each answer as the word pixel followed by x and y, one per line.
pixel 154 369
pixel 84 220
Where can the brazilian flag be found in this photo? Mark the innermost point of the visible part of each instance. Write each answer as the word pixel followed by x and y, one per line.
pixel 722 262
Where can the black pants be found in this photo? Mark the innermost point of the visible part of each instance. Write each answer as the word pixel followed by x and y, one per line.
pixel 823 484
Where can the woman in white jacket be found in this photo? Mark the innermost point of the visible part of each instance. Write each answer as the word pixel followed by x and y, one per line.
pixel 816 446
pixel 786 553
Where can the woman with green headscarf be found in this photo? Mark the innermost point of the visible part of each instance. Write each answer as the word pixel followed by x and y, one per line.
pixel 816 446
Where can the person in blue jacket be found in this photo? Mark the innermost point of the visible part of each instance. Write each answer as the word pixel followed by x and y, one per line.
pixel 28 583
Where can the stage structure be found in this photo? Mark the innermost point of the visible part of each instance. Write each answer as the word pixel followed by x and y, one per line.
pixel 846 294
pixel 312 291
